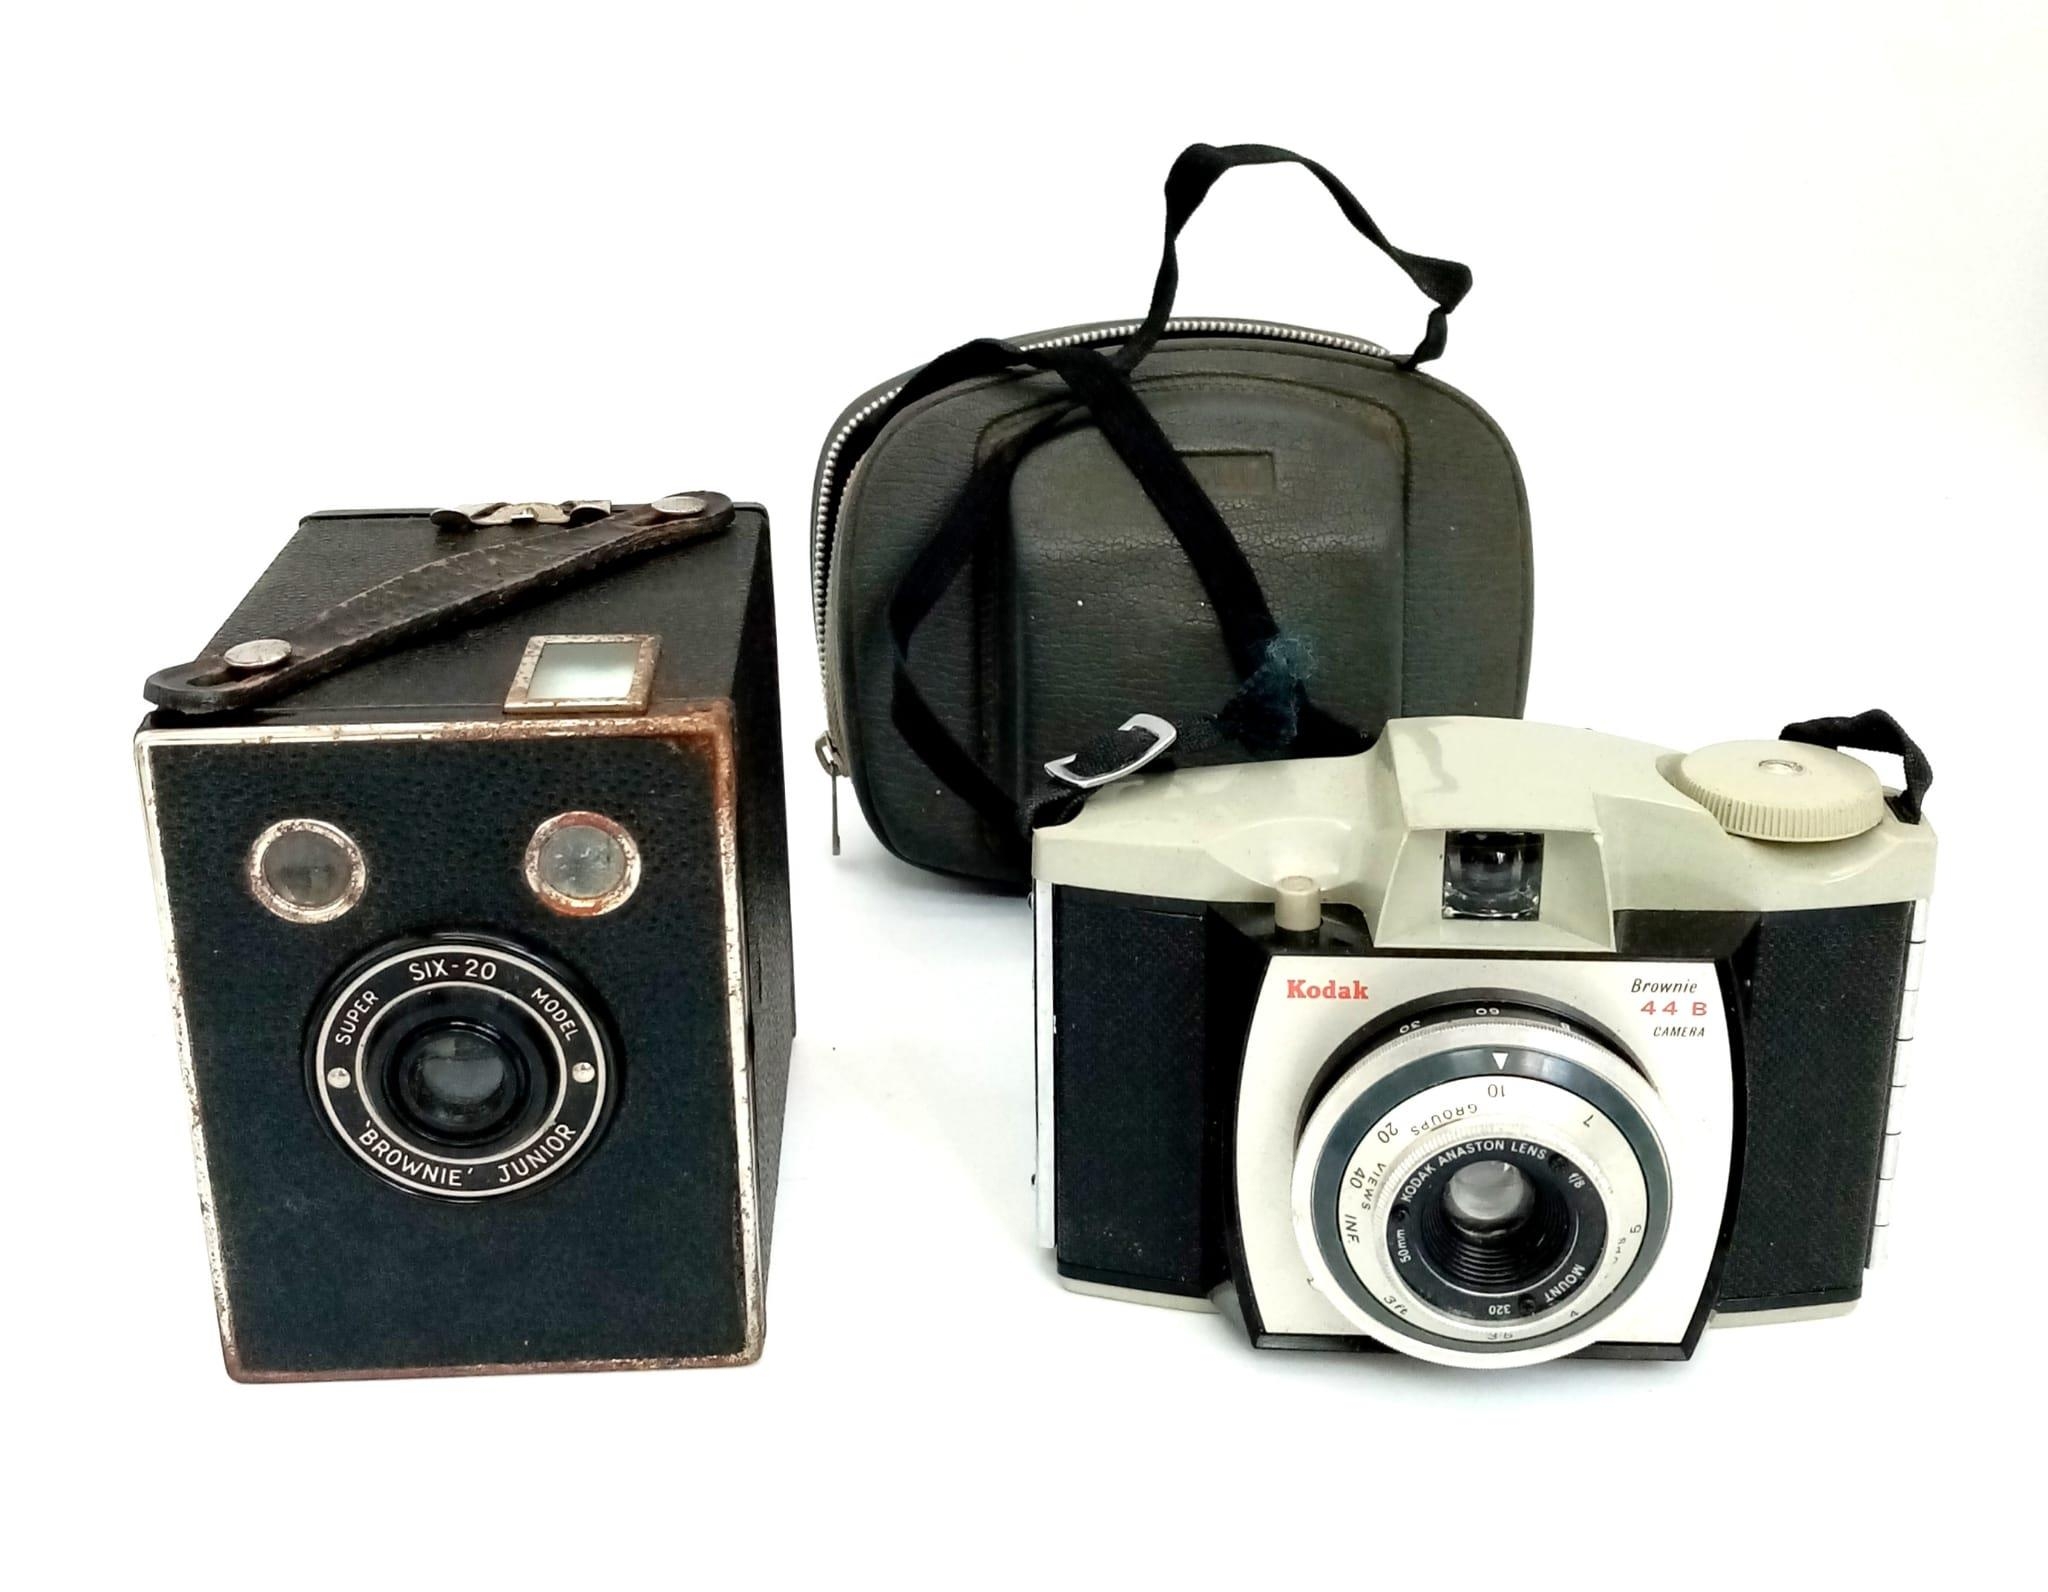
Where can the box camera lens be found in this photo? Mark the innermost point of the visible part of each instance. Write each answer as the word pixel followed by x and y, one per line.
pixel 461 1067
pixel 458 1082
pixel 1492 874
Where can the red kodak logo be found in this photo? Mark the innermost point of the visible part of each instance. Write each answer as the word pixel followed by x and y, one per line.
pixel 1300 989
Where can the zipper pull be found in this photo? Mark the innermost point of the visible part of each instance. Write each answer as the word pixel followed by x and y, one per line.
pixel 828 760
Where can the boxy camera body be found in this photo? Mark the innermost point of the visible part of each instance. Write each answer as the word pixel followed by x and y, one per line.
pixel 1495 1043
pixel 479 949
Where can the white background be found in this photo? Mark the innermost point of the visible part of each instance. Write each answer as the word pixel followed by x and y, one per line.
pixel 1763 302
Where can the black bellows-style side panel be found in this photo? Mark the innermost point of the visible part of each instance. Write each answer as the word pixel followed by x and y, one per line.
pixel 1822 992
pixel 1132 1131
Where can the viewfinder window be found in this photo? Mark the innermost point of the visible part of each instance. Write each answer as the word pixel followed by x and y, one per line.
pixel 584 674
pixel 1496 875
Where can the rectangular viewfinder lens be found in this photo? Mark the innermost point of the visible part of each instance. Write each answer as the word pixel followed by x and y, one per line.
pixel 584 674
pixel 1492 874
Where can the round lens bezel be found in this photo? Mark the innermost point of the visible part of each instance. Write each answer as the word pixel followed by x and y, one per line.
pixel 355 883
pixel 1425 1087
pixel 532 869
pixel 363 1027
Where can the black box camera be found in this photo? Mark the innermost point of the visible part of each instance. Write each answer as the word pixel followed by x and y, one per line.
pixel 469 842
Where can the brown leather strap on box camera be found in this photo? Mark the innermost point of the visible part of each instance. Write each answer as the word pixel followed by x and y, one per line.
pixel 583 539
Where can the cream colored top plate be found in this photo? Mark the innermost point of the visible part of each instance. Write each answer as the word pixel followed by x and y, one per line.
pixel 1620 830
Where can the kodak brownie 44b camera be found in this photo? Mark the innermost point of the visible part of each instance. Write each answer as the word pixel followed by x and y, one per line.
pixel 1495 1043
pixel 468 833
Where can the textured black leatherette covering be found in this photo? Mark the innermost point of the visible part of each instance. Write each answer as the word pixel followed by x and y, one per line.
pixel 1821 992
pixel 631 1253
pixel 1138 1192
pixel 1382 511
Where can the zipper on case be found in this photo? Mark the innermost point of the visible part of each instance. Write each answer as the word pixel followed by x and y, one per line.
pixel 829 760
pixel 824 511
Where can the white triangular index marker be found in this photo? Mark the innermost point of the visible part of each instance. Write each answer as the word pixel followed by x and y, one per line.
pixel 1500 1058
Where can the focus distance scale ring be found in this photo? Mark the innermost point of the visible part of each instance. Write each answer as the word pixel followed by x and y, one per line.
pixel 460 1067
pixel 1552 1131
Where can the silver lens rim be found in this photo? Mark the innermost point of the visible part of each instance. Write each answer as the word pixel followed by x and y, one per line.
pixel 1389 1083
pixel 570 906
pixel 281 906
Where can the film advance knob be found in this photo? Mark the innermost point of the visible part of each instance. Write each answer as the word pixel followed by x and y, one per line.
pixel 1782 790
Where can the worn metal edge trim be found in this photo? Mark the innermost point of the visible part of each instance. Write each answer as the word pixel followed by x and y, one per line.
pixel 708 720
pixel 725 803
pixel 215 1262
pixel 411 1373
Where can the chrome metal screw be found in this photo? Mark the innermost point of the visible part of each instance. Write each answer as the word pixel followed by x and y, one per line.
pixel 583 1072
pixel 337 1077
pixel 246 657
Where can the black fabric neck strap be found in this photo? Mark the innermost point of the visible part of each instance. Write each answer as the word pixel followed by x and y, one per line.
pixel 1445 282
pixel 1271 711
pixel 1874 731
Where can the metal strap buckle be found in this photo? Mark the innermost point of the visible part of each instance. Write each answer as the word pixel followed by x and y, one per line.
pixel 1163 736
pixel 575 511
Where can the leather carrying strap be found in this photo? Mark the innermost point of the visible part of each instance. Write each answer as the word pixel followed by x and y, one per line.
pixel 436 596
pixel 1873 731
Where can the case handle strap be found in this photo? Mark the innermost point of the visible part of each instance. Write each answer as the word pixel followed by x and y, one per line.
pixel 1444 282
pixel 1874 731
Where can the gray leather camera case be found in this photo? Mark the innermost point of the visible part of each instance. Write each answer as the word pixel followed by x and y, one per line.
pixel 1380 512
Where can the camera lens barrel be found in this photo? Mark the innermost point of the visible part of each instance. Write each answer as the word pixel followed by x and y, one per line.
pixel 462 1067
pixel 1484 1179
